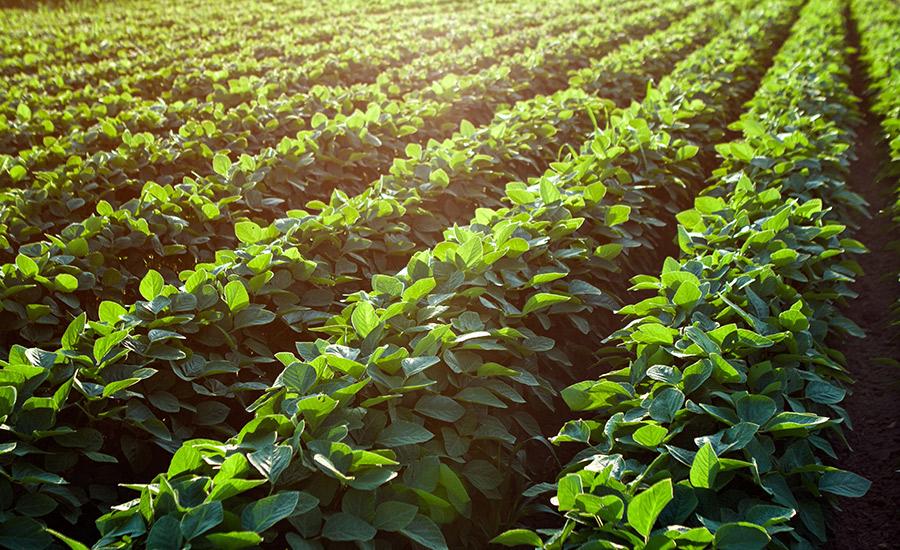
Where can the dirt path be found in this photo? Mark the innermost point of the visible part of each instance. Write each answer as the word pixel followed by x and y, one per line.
pixel 874 405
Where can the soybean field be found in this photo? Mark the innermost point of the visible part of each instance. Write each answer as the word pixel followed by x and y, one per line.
pixel 442 274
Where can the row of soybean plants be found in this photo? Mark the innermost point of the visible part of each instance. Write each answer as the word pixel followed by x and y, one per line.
pixel 115 45
pixel 243 116
pixel 878 24
pixel 324 137
pixel 47 36
pixel 170 228
pixel 169 94
pixel 394 357
pixel 74 86
pixel 718 430
pixel 44 110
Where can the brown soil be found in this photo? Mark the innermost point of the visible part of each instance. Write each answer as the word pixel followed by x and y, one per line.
pixel 872 522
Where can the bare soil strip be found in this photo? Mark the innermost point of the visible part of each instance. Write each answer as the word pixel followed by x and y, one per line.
pixel 874 405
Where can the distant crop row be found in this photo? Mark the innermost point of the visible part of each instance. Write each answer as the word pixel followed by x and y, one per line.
pixel 177 89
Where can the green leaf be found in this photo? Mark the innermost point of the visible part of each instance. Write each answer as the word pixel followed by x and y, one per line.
pixel 549 192
pixel 617 214
pixel 231 487
pixel 394 516
pixel 470 252
pixel 236 296
pixel 518 537
pixel 608 251
pixel 185 459
pixel 364 318
pixel 456 491
pixel 687 294
pixel 440 407
pixel 413 150
pixel 73 332
pixel 164 534
pixel 23 111
pixel 795 421
pixel 347 527
pixel 221 164
pixel 419 289
pixel 567 490
pixel 66 282
pixel 542 278
pixel 752 339
pixel 387 284
pixel 424 531
pixel 119 385
pixel 665 404
pixel 318 120
pixel 151 285
pixel 201 519
pixel 704 342
pixel 402 432
pixel 686 152
pixel 645 507
pixel 482 474
pixel 253 317
pixel 210 413
pixel 845 484
pixel 650 435
pixel 211 211
pixel 595 191
pixel 741 536
pixel 248 232
pixel 439 178
pixel 757 409
pixel 825 393
pixel 109 128
pixel 35 504
pixel 27 267
pixel 110 312
pixel 17 172
pixel 793 320
pixel 480 396
pixel 70 542
pixel 271 460
pixel 543 300
pixel 234 540
pixel 8 396
pixel 266 512
pixel 654 333
pixel 103 346
pixel 705 467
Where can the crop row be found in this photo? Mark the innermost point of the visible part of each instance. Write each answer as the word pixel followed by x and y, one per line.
pixel 718 430
pixel 338 133
pixel 323 122
pixel 45 39
pixel 468 318
pixel 152 45
pixel 241 110
pixel 33 115
pixel 878 24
